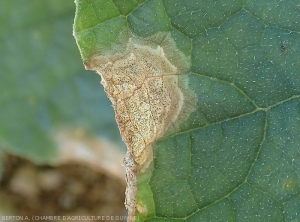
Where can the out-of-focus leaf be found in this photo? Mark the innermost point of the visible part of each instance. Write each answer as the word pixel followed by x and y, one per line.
pixel 43 85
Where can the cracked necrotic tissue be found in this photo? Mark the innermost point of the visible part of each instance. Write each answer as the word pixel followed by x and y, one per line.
pixel 146 94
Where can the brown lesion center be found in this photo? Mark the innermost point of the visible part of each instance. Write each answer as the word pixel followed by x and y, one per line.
pixel 143 88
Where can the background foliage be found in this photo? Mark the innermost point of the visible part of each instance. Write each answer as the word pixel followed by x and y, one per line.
pixel 43 85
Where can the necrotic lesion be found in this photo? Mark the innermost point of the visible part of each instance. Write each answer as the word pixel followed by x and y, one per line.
pixel 143 87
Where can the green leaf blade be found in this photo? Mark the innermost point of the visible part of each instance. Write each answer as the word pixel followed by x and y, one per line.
pixel 235 158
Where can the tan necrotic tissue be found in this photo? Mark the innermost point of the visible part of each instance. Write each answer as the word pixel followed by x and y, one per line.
pixel 143 87
pixel 150 96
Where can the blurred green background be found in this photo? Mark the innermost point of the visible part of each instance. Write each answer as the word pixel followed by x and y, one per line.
pixel 43 83
pixel 44 89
